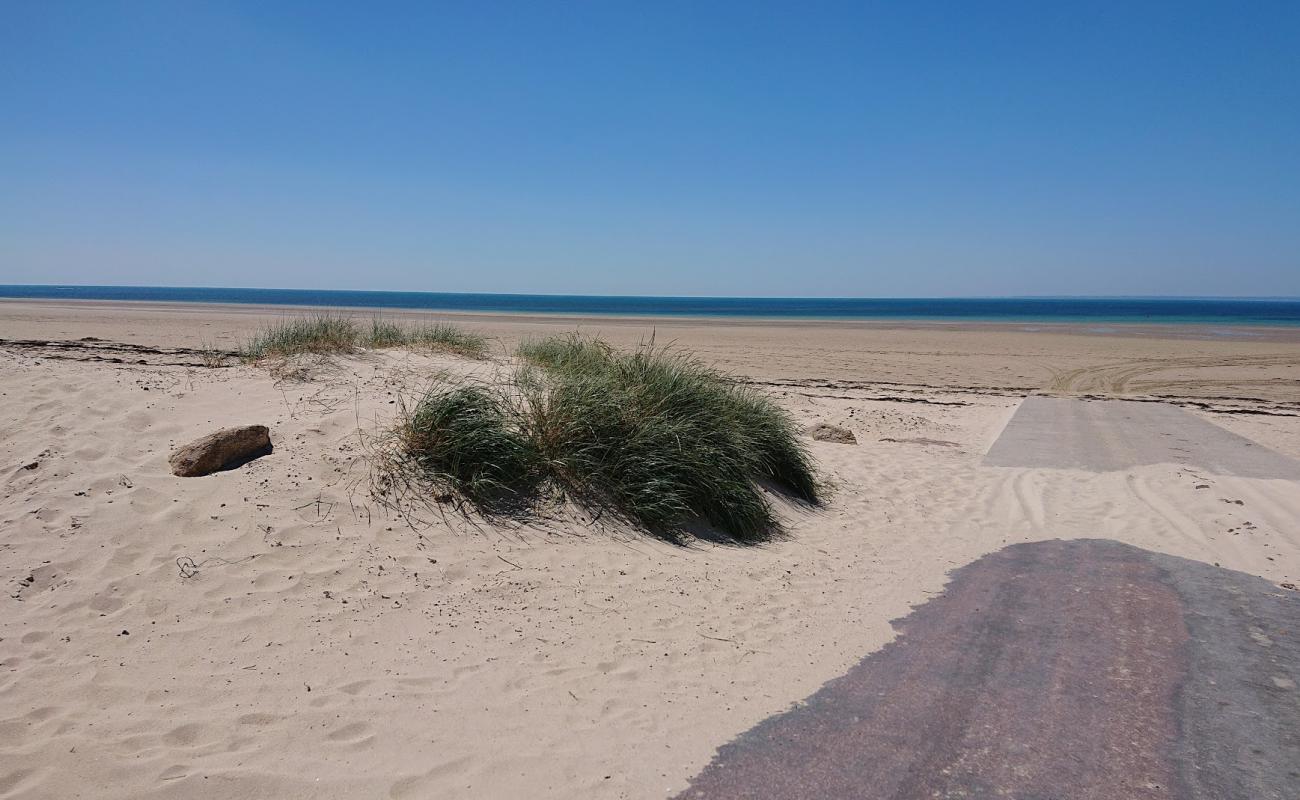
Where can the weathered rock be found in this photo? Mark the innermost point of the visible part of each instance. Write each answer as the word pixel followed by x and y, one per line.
pixel 824 432
pixel 227 448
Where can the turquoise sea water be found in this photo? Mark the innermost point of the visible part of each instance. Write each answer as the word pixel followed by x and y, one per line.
pixel 1228 312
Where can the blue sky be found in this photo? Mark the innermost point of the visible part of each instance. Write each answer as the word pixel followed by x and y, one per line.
pixel 813 149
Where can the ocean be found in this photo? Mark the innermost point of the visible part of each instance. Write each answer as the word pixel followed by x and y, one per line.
pixel 1226 312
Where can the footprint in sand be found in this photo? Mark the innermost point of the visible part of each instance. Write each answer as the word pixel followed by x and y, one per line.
pixel 352 732
pixel 355 687
pixel 43 713
pixel 415 786
pixel 185 735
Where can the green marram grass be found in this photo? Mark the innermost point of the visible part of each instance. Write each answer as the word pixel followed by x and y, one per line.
pixel 569 353
pixel 651 434
pixel 332 333
pixel 384 333
pixel 464 437
pixel 448 338
pixel 318 334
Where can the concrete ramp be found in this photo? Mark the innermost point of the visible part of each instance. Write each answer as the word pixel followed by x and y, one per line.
pixel 1080 670
pixel 1114 435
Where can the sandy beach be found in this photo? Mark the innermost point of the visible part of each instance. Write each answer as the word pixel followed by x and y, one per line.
pixel 272 631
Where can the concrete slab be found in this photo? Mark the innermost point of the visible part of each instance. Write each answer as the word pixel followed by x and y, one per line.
pixel 1070 670
pixel 1113 435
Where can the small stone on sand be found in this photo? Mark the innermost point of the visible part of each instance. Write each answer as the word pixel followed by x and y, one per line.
pixel 222 449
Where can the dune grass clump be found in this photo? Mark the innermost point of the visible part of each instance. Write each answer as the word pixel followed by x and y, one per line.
pixel 383 333
pixel 319 334
pixel 571 352
pixel 327 333
pixel 449 339
pixel 779 454
pixel 653 435
pixel 467 438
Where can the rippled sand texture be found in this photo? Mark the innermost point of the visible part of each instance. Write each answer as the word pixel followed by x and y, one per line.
pixel 271 631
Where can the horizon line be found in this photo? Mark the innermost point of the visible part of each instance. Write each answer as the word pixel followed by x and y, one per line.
pixel 661 296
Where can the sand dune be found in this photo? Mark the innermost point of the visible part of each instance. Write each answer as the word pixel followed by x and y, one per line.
pixel 272 631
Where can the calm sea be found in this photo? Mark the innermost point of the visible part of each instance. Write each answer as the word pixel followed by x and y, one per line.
pixel 1169 311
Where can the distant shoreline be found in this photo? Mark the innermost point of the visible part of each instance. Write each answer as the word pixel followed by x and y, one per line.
pixel 251 312
pixel 1208 313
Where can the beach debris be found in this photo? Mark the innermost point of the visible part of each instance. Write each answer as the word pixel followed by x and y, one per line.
pixel 921 440
pixel 225 449
pixel 825 432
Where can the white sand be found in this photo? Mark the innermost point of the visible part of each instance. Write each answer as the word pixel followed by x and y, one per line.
pixel 325 650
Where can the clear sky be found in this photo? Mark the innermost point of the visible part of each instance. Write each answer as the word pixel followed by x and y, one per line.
pixel 693 148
